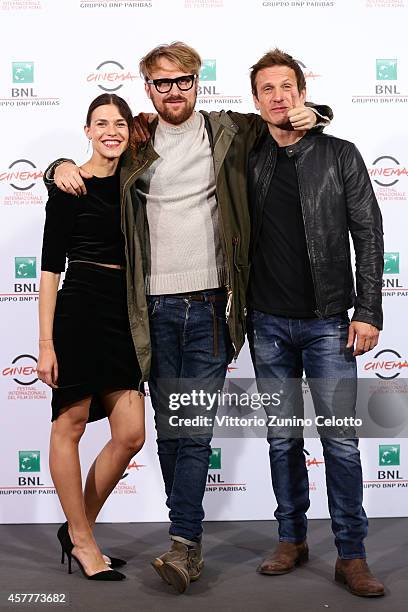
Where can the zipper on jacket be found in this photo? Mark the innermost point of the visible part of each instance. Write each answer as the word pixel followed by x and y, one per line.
pixel 219 136
pixel 221 226
pixel 130 178
pixel 317 311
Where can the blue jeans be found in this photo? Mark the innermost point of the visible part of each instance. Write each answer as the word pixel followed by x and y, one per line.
pixel 190 340
pixel 282 348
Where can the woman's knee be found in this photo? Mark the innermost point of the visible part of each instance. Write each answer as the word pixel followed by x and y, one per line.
pixel 132 442
pixel 69 428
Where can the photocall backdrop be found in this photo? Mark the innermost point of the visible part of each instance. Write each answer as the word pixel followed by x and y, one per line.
pixel 56 56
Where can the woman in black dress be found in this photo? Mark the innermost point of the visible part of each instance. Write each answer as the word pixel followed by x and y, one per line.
pixel 86 352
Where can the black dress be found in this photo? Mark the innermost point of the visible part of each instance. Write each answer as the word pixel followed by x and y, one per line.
pixel 92 339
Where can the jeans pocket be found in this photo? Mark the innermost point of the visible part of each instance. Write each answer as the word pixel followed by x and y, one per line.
pixel 152 306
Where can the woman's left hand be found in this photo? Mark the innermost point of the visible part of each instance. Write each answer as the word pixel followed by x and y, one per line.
pixel 47 368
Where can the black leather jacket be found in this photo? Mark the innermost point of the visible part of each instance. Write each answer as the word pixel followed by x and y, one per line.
pixel 337 199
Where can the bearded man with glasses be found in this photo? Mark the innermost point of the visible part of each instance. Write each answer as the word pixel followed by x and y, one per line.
pixel 187 218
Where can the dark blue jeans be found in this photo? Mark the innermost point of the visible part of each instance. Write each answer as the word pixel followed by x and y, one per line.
pixel 282 348
pixel 190 340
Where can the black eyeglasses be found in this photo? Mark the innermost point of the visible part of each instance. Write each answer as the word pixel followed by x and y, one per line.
pixel 184 83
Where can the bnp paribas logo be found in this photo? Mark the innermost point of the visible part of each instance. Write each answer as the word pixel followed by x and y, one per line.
pixel 23 72
pixel 208 70
pixel 215 459
pixel 388 454
pixel 386 69
pixel 391 263
pixel 29 461
pixel 25 267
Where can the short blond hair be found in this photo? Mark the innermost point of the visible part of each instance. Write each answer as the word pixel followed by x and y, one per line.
pixel 184 57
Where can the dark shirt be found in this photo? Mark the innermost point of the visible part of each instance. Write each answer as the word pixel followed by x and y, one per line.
pixel 281 280
pixel 87 228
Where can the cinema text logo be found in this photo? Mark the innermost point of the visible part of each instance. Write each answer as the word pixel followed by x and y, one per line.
pixel 115 4
pixel 308 73
pixel 110 76
pixel 23 370
pixel 22 373
pixel 125 486
pixel 21 175
pixel 217 482
pixel 20 5
pixel 387 364
pixel 386 90
pixel 19 181
pixel 208 92
pixel 23 92
pixel 311 462
pixel 391 283
pixel 386 172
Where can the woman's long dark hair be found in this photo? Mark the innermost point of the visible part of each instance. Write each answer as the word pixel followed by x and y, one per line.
pixel 124 110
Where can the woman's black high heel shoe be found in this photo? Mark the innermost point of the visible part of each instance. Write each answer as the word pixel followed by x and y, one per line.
pixel 67 546
pixel 114 562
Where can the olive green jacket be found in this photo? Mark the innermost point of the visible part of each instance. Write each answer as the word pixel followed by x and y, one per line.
pixel 232 136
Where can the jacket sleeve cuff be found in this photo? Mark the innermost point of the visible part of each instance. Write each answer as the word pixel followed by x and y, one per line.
pixel 49 173
pixel 371 318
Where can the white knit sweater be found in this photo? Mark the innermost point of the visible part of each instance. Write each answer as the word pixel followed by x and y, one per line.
pixel 182 211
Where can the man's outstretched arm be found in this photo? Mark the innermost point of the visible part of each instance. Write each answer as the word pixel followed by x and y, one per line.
pixel 67 176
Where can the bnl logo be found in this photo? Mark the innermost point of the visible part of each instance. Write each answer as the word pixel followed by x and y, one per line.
pixel 29 461
pixel 386 69
pixel 215 459
pixel 389 456
pixel 391 263
pixel 208 70
pixel 208 73
pixel 23 72
pixel 25 267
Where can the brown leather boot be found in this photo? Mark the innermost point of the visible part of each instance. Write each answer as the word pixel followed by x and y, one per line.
pixel 284 559
pixel 181 565
pixel 356 575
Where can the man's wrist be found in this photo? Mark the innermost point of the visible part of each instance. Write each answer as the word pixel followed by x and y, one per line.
pixel 50 171
pixel 321 120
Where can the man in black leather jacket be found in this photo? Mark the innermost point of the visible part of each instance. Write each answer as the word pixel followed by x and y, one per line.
pixel 308 193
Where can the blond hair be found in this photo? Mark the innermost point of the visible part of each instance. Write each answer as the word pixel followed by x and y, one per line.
pixel 184 57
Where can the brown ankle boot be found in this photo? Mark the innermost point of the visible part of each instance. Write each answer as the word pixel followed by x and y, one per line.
pixel 181 565
pixel 284 559
pixel 356 575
